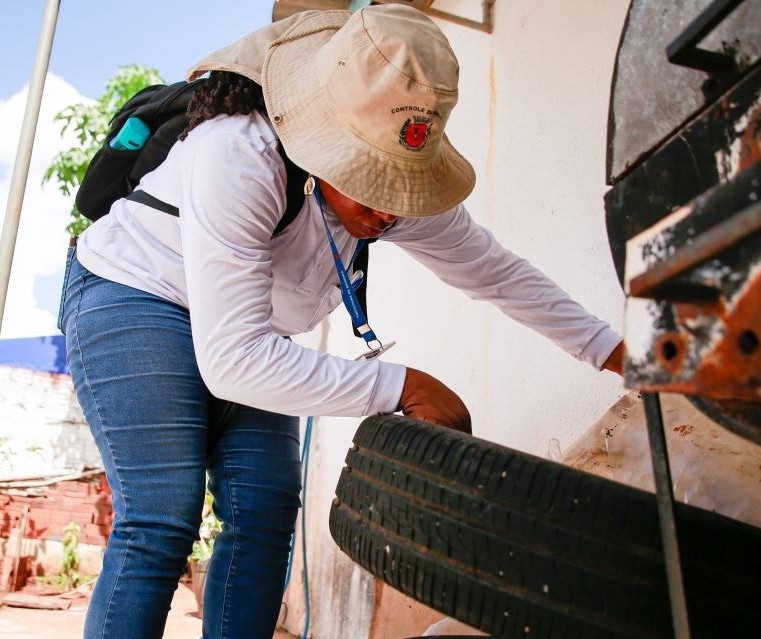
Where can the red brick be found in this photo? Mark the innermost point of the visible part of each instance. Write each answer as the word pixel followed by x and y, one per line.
pixel 73 486
pixel 72 495
pixel 58 519
pixel 48 504
pixel 95 534
pixel 104 487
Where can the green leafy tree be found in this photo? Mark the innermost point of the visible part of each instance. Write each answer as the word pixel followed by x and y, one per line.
pixel 90 122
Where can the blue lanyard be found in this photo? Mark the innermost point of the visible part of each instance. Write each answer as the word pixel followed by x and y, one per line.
pixel 348 294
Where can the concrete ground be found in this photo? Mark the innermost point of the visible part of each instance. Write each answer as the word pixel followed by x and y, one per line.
pixel 26 623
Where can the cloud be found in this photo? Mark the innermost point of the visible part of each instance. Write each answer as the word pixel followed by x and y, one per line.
pixel 40 254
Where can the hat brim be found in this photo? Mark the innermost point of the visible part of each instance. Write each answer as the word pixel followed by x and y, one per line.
pixel 316 140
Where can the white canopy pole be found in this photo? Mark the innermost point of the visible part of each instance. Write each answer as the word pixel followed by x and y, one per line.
pixel 24 151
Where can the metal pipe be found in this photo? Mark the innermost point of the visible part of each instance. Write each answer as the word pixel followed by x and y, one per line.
pixel 665 498
pixel 684 50
pixel 24 151
pixel 708 244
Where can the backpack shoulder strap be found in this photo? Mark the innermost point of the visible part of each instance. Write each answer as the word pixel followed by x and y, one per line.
pixel 294 194
pixel 294 191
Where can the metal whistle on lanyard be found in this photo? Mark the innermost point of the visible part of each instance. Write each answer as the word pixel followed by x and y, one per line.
pixel 349 286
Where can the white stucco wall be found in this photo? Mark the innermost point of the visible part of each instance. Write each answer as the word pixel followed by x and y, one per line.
pixel 42 429
pixel 532 119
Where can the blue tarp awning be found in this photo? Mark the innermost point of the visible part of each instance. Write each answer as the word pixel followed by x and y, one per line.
pixel 46 353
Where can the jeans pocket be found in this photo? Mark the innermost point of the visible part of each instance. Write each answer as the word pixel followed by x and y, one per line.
pixel 69 259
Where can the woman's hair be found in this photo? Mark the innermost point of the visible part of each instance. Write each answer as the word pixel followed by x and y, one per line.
pixel 223 92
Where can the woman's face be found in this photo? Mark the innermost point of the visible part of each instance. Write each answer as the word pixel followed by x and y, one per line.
pixel 359 220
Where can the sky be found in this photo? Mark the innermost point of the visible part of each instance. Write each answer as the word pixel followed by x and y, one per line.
pixel 93 39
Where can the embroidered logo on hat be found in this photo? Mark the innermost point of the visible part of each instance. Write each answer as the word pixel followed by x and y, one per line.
pixel 415 132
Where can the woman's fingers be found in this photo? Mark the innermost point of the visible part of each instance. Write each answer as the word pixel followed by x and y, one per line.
pixel 427 399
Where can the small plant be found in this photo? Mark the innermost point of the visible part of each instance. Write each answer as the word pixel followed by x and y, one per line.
pixel 70 565
pixel 209 529
pixel 68 577
pixel 202 549
pixel 6 452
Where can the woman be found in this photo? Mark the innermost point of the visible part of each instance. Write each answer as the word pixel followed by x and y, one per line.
pixel 175 326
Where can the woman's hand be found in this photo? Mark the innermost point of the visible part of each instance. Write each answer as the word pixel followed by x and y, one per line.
pixel 425 398
pixel 615 361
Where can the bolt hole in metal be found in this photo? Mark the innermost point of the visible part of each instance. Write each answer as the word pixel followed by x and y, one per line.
pixel 669 350
pixel 748 342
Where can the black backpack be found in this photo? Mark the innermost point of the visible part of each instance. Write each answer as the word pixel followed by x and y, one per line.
pixel 114 174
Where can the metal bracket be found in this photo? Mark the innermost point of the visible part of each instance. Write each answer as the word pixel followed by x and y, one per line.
pixel 684 50
pixel 705 246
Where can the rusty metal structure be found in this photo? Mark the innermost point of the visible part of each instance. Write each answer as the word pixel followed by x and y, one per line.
pixel 684 220
pixel 684 213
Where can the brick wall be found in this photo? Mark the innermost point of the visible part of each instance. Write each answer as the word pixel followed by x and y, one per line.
pixel 43 434
pixel 86 502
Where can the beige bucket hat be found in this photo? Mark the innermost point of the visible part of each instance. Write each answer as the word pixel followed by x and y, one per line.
pixel 361 101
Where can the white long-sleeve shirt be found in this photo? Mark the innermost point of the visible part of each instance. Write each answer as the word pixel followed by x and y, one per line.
pixel 245 290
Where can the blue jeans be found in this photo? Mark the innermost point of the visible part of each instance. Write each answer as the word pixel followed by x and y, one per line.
pixel 159 431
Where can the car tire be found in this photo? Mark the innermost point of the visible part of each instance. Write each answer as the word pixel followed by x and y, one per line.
pixel 520 546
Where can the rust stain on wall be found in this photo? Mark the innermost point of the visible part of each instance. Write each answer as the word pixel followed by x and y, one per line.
pixel 490 168
pixel 492 117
